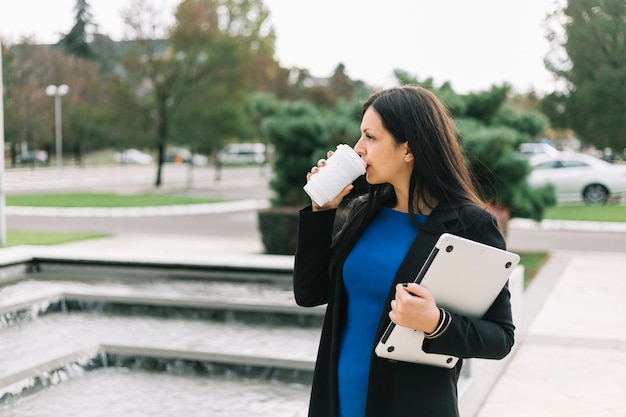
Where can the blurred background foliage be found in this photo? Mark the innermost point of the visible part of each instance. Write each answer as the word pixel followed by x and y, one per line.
pixel 211 78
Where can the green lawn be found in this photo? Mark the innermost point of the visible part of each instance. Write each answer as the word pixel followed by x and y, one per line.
pixel 101 200
pixel 532 262
pixel 607 213
pixel 73 200
pixel 16 238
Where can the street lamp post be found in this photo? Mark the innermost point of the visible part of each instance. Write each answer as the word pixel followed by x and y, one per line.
pixel 57 92
pixel 3 218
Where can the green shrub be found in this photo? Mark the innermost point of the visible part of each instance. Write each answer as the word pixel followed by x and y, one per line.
pixel 279 230
pixel 500 176
pixel 298 133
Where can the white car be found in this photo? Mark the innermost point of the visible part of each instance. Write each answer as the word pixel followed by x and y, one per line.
pixel 529 149
pixel 132 156
pixel 578 177
pixel 243 153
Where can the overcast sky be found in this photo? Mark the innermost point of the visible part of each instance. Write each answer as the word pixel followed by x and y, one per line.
pixel 474 44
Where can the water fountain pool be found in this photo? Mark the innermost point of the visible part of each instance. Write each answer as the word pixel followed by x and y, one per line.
pixel 95 338
pixel 120 392
pixel 88 335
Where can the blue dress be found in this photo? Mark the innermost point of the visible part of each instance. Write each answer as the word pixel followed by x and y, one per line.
pixel 368 274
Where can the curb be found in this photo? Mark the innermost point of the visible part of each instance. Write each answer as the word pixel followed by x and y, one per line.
pixel 261 204
pixel 580 226
pixel 155 211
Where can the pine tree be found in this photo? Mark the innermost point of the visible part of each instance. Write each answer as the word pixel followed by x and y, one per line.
pixel 76 41
pixel 589 54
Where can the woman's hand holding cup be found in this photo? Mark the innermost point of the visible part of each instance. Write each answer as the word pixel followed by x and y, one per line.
pixel 337 200
pixel 331 179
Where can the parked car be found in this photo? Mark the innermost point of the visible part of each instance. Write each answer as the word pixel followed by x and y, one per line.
pixel 132 156
pixel 578 177
pixel 182 155
pixel 243 153
pixel 199 159
pixel 177 155
pixel 32 157
pixel 526 150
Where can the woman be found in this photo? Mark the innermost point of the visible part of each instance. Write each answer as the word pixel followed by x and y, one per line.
pixel 419 188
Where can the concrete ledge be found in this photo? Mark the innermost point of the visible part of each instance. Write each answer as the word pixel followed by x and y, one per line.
pixel 155 211
pixel 16 261
pixel 194 303
pixel 31 303
pixel 281 263
pixel 268 362
pixel 59 369
pixel 580 226
pixel 18 382
pixel 41 303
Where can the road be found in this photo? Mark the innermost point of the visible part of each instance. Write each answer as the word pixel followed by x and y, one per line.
pixel 201 181
pixel 234 184
pixel 244 225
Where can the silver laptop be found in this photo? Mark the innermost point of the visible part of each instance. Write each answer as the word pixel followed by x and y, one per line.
pixel 465 277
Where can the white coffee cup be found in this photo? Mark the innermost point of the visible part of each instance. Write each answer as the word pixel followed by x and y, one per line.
pixel 342 168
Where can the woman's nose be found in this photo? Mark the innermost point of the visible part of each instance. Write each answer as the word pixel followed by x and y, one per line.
pixel 358 148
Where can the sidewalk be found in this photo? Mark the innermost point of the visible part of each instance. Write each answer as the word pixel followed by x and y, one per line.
pixel 571 358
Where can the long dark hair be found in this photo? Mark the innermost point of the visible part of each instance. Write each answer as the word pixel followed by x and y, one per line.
pixel 415 115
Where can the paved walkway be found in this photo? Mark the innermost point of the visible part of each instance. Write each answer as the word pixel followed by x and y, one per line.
pixel 571 359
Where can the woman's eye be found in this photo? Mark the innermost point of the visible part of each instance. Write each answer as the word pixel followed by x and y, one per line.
pixel 369 136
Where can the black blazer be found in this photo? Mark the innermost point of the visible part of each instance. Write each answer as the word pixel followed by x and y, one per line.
pixel 399 389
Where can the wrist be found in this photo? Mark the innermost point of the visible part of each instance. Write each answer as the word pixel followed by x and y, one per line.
pixel 437 317
pixel 444 321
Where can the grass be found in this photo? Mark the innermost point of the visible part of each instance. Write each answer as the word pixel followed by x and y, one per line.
pixel 532 262
pixel 16 238
pixel 607 213
pixel 101 200
pixel 74 200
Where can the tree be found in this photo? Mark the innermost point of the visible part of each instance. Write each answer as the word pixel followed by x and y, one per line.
pixel 26 113
pixel 499 176
pixel 589 54
pixel 238 53
pixel 197 79
pixel 484 105
pixel 490 126
pixel 76 41
pixel 92 115
pixel 530 123
pixel 159 74
pixel 297 131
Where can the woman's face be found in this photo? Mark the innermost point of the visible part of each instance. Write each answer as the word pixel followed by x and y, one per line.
pixel 387 161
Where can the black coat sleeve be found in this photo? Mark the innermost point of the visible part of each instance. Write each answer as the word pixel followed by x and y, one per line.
pixel 311 277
